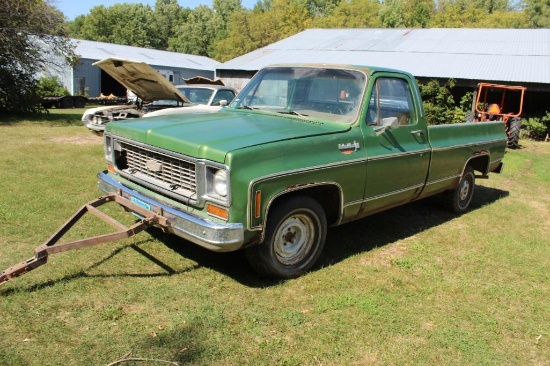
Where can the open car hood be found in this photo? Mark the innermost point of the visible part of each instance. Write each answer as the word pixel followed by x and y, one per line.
pixel 140 78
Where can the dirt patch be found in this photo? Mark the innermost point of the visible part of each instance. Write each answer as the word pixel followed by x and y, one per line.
pixel 78 140
pixel 384 256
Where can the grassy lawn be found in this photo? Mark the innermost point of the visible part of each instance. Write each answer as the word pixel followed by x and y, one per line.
pixel 414 285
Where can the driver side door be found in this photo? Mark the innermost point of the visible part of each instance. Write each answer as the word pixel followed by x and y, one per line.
pixel 397 158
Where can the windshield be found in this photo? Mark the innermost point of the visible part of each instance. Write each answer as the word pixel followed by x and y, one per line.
pixel 329 94
pixel 197 95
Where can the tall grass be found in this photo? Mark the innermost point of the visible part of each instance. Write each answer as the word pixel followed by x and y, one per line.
pixel 414 285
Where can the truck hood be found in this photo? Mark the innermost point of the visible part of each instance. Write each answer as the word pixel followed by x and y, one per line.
pixel 140 78
pixel 212 136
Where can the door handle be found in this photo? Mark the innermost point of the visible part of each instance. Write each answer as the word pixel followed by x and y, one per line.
pixel 418 132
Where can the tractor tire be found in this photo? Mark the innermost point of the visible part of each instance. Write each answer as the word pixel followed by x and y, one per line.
pixel 470 116
pixel 514 128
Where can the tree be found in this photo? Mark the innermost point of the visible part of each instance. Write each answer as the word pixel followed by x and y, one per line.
pixel 168 15
pixel 126 24
pixel 267 23
pixel 197 34
pixel 32 33
pixel 456 14
pixel 418 13
pixel 352 14
pixel 406 13
pixel 538 12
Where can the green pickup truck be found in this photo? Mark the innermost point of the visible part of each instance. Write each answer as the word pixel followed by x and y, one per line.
pixel 301 148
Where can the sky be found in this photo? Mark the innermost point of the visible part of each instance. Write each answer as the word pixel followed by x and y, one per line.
pixel 73 8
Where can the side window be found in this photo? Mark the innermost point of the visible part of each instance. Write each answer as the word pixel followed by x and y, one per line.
pixel 391 98
pixel 226 95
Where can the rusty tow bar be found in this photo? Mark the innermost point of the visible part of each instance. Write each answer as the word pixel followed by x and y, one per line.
pixel 51 246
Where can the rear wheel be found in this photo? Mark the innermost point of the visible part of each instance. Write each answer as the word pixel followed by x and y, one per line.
pixel 67 102
pixel 459 199
pixel 514 131
pixel 80 102
pixel 294 239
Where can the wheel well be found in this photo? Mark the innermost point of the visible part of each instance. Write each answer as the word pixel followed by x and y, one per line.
pixel 328 196
pixel 479 163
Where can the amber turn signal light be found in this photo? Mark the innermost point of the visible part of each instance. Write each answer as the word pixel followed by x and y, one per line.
pixel 217 211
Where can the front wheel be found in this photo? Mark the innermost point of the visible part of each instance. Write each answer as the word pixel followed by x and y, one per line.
pixel 459 199
pixel 294 239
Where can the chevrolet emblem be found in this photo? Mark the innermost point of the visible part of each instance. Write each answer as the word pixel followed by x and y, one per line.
pixel 153 166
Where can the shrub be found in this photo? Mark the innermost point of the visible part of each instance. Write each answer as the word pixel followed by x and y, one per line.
pixel 536 127
pixel 439 104
pixel 50 86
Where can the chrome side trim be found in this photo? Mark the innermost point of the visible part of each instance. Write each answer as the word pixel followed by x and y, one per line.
pixel 392 193
pixel 390 156
pixel 437 181
pixel 474 143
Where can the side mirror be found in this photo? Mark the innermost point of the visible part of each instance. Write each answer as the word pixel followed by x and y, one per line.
pixel 387 124
pixel 223 102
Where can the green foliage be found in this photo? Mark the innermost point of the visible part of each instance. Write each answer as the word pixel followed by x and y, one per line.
pixel 536 128
pixel 166 17
pixel 127 24
pixel 538 12
pixel 392 14
pixel 439 104
pixel 250 30
pixel 202 28
pixel 466 101
pixel 25 27
pixel 50 87
pixel 406 13
pixel 351 14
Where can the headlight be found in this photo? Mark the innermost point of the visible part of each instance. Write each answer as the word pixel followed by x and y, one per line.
pixel 220 183
pixel 108 147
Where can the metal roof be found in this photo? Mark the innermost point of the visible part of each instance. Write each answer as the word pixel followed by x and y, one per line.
pixel 99 50
pixel 516 55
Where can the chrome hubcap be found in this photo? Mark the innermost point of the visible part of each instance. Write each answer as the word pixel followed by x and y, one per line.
pixel 464 190
pixel 294 239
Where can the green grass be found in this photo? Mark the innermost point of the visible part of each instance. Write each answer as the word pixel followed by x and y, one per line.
pixel 414 285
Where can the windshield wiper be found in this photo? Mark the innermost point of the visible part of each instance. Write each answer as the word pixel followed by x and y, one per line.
pixel 246 107
pixel 294 113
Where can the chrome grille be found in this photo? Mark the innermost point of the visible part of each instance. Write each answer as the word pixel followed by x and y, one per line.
pixel 169 172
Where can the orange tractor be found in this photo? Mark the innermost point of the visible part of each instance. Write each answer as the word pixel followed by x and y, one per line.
pixel 504 103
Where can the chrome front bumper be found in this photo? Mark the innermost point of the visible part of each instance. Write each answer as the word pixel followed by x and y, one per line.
pixel 219 237
pixel 93 126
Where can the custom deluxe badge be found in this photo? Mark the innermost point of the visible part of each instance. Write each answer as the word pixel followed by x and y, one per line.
pixel 349 147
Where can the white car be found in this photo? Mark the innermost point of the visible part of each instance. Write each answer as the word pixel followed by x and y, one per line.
pixel 165 98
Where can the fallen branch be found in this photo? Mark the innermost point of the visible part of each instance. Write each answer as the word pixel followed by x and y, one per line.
pixel 127 358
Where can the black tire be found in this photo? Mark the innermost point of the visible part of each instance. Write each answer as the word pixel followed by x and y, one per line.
pixel 514 129
pixel 459 199
pixel 66 102
pixel 294 239
pixel 80 102
pixel 470 116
